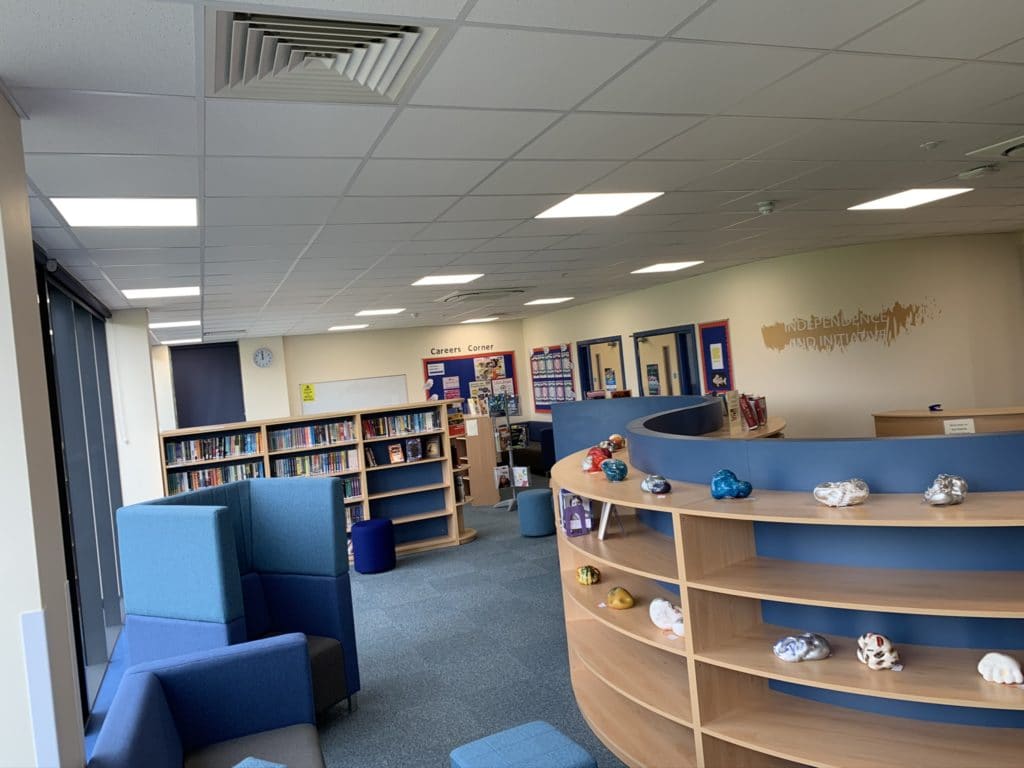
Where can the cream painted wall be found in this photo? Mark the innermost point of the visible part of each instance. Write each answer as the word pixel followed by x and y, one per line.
pixel 969 354
pixel 361 354
pixel 135 414
pixel 163 386
pixel 264 390
pixel 40 721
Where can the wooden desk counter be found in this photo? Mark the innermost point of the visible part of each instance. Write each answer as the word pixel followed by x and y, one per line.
pixel 982 420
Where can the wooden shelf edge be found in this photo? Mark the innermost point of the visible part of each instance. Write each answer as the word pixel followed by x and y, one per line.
pixel 405 491
pixel 380 439
pixel 303 449
pixel 437 542
pixel 213 462
pixel 634 530
pixel 396 465
pixel 468 535
pixel 421 516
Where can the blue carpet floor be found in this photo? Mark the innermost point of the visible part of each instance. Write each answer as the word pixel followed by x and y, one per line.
pixel 457 644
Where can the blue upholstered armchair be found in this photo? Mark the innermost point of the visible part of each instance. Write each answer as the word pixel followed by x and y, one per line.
pixel 213 709
pixel 239 562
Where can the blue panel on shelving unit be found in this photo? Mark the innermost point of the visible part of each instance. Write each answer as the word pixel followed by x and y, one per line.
pixel 901 628
pixel 421 529
pixel 400 476
pixel 580 424
pixel 689 459
pixel 659 521
pixel 935 712
pixel 961 549
pixel 394 507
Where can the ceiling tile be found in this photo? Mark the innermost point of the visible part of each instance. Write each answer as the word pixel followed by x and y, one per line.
pixel 138 237
pixel 125 46
pixel 771 22
pixel 467 133
pixel 518 240
pixel 292 129
pixel 269 176
pixel 524 177
pixel 420 177
pixel 875 175
pixel 116 123
pixel 732 137
pixel 583 136
pixel 519 69
pixel 54 238
pixel 950 28
pixel 658 17
pixel 478 207
pixel 546 228
pixel 411 9
pixel 367 233
pixel 41 214
pixel 440 246
pixel 754 174
pixel 368 210
pixel 656 175
pixel 695 78
pixel 113 176
pixel 1012 53
pixel 959 94
pixel 144 256
pixel 223 211
pixel 252 253
pixel 689 202
pixel 838 84
pixel 453 230
pixel 260 235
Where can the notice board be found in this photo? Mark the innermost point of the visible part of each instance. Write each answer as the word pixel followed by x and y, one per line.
pixel 450 377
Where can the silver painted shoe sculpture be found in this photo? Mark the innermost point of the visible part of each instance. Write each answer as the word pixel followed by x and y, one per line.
pixel 877 652
pixel 807 646
pixel 844 493
pixel 666 616
pixel 946 490
pixel 1000 668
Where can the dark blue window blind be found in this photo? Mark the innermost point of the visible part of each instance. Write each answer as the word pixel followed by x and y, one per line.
pixel 207 384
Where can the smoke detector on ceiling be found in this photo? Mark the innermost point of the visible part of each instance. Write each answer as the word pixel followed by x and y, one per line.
pixel 261 56
pixel 1011 149
pixel 480 294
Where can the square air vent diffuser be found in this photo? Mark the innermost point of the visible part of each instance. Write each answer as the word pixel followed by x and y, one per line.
pixel 259 56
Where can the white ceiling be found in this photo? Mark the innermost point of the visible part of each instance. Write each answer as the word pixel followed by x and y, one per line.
pixel 312 212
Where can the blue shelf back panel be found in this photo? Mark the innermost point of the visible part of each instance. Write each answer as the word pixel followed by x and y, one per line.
pixel 404 475
pixel 659 521
pixel 959 549
pixel 901 628
pixel 407 504
pixel 421 529
pixel 939 713
pixel 584 423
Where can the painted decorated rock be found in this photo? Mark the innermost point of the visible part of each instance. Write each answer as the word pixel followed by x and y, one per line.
pixel 844 493
pixel 617 441
pixel 587 575
pixel 725 485
pixel 1000 668
pixel 807 646
pixel 946 490
pixel 877 652
pixel 666 616
pixel 606 445
pixel 614 469
pixel 655 484
pixel 619 599
pixel 592 461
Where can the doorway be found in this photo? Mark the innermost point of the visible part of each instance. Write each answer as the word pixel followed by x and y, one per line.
pixel 602 365
pixel 666 361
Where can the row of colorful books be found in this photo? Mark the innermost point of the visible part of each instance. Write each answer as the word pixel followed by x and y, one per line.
pixel 312 435
pixel 412 449
pixel 326 463
pixel 404 424
pixel 179 482
pixel 215 447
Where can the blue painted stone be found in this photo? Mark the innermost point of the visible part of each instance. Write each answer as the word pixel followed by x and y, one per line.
pixel 614 469
pixel 655 484
pixel 725 485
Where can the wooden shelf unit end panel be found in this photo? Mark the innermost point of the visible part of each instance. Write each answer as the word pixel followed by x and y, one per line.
pixel 654 679
pixel 711 544
pixel 991 594
pixel 723 754
pixel 638 737
pixel 639 550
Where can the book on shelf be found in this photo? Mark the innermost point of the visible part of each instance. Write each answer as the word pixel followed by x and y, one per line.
pixel 311 435
pixel 432 447
pixel 456 423
pixel 351 487
pixel 324 463
pixel 413 449
pixel 502 476
pixel 187 450
pixel 502 435
pixel 371 460
pixel 179 482
pixel 395 454
pixel 402 424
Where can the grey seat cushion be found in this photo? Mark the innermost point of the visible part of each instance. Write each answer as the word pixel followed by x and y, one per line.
pixel 327 666
pixel 296 746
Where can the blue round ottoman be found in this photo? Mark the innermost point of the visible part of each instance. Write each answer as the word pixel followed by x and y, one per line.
pixel 526 746
pixel 536 514
pixel 373 545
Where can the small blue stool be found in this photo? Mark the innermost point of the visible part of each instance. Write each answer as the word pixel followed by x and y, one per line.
pixel 373 545
pixel 536 513
pixel 533 745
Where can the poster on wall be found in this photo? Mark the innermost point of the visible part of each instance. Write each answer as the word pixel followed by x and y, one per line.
pixel 653 379
pixel 716 357
pixel 551 375
pixel 609 379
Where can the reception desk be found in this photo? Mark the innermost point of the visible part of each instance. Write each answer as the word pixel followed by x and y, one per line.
pixel 946 584
pixel 962 421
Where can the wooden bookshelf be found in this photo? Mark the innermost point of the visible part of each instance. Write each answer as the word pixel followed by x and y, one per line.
pixel 707 699
pixel 302 443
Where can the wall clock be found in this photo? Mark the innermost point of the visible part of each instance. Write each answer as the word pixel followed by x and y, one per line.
pixel 262 357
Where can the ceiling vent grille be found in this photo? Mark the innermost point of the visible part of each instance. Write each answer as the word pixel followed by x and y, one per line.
pixel 258 56
pixel 482 294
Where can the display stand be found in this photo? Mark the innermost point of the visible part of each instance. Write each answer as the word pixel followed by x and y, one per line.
pixel 509 504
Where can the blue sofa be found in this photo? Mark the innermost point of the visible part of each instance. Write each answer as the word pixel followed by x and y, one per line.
pixel 213 709
pixel 239 562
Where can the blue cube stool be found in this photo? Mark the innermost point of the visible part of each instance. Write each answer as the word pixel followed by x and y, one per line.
pixel 373 545
pixel 533 745
pixel 536 514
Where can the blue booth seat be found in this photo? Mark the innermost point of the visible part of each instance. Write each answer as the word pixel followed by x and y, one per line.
pixel 238 562
pixel 214 709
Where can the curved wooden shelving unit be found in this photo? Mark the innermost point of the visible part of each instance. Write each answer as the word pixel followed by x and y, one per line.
pixel 710 692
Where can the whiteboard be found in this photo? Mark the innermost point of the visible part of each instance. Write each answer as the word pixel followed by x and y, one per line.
pixel 355 394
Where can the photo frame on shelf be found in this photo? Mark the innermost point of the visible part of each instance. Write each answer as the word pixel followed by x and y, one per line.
pixel 575 513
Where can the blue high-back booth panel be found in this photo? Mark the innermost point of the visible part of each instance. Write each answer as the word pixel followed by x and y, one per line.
pixel 298 527
pixel 584 423
pixel 233 496
pixel 179 563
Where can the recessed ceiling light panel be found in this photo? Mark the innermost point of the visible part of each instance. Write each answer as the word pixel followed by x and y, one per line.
pixel 176 324
pixel 181 341
pixel 604 204
pixel 127 211
pixel 666 266
pixel 447 279
pixel 480 320
pixel 160 293
pixel 356 327
pixel 909 199
pixel 374 312
pixel 559 300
